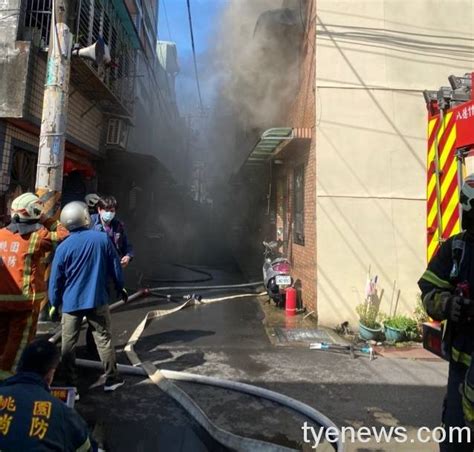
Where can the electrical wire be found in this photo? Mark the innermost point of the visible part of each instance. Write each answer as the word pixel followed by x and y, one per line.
pixel 166 19
pixel 194 54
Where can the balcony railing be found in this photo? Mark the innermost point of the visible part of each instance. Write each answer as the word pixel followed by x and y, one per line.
pixel 95 18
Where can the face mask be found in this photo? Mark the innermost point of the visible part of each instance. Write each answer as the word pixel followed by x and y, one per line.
pixel 107 216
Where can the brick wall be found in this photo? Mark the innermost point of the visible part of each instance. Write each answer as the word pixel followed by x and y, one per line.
pixel 301 113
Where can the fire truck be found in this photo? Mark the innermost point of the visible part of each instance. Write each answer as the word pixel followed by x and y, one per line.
pixel 450 159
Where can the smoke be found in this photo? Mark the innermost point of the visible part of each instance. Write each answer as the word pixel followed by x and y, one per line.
pixel 248 76
pixel 257 56
pixel 254 74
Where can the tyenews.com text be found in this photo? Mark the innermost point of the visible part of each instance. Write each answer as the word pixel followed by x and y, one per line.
pixel 398 434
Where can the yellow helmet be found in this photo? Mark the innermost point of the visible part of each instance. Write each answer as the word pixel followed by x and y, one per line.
pixel 26 207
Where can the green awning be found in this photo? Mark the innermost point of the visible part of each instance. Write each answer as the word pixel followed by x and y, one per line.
pixel 269 142
pixel 273 140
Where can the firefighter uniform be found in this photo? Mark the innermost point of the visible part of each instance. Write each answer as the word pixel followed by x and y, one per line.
pixel 22 285
pixel 32 419
pixel 450 272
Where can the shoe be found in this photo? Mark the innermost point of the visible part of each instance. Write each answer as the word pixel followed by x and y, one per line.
pixel 112 383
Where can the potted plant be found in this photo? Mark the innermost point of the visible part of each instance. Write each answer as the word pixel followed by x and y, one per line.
pixel 370 327
pixel 399 328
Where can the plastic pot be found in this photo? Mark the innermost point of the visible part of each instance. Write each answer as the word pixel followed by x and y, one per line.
pixel 369 334
pixel 394 334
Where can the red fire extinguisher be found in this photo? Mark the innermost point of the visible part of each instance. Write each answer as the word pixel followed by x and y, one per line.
pixel 290 301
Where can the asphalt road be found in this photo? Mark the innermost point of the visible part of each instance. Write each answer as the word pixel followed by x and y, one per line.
pixel 228 340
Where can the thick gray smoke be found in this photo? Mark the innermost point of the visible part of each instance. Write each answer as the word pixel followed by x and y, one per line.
pixel 257 58
pixel 254 72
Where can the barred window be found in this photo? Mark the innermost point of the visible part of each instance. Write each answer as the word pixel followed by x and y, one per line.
pixel 298 205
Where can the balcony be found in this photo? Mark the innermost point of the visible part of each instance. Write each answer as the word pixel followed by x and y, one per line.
pixel 111 87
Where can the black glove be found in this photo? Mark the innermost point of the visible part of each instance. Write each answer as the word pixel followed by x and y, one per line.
pixel 456 307
pixel 124 295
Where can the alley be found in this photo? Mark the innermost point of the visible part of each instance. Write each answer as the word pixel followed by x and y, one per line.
pixel 229 340
pixel 246 201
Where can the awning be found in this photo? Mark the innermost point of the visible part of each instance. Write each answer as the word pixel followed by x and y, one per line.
pixel 273 140
pixel 86 169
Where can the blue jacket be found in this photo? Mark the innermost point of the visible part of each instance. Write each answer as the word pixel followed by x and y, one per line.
pixel 116 231
pixel 81 269
pixel 33 420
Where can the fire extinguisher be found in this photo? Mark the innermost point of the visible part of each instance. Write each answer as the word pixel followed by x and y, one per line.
pixel 290 301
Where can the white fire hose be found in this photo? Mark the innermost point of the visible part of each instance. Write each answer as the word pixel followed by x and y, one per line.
pixel 162 378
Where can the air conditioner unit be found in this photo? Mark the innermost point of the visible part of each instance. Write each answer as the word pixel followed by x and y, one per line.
pixel 117 133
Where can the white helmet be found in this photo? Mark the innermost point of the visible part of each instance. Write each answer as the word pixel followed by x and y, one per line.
pixel 75 215
pixel 26 207
pixel 467 193
pixel 92 199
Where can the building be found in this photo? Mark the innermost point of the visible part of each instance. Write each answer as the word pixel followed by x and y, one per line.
pixel 98 96
pixel 347 160
pixel 109 106
pixel 283 157
pixel 374 61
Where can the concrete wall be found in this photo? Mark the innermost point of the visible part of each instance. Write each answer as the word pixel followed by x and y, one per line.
pixel 373 60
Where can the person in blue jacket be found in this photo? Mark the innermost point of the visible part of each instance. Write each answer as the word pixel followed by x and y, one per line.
pixel 105 221
pixel 30 417
pixel 79 278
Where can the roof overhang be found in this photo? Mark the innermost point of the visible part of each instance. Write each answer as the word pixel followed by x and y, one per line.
pixel 273 140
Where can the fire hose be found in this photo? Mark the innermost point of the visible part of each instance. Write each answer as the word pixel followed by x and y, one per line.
pixel 139 294
pixel 162 378
pixel 191 288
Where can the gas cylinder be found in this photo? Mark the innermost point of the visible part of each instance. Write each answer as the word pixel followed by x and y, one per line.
pixel 290 301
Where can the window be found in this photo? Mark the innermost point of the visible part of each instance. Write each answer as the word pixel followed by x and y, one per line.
pixel 23 169
pixel 298 205
pixel 22 176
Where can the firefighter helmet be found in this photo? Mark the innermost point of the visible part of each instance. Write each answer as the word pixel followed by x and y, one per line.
pixel 75 215
pixel 467 193
pixel 26 207
pixel 91 200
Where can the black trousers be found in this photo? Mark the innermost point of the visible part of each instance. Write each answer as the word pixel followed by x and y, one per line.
pixel 453 415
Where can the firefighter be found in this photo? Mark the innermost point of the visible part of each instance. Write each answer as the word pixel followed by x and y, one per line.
pixel 30 417
pixel 92 200
pixel 24 243
pixel 447 287
pixel 81 268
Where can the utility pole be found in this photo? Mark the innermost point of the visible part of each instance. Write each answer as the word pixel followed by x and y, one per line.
pixel 49 175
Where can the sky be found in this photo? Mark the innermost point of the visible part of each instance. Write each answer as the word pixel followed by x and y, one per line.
pixel 205 15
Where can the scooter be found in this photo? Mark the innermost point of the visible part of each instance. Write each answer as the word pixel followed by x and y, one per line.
pixel 276 273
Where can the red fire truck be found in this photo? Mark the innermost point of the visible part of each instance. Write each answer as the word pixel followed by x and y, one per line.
pixel 450 158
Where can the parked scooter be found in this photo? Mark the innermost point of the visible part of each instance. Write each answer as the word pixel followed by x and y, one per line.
pixel 276 273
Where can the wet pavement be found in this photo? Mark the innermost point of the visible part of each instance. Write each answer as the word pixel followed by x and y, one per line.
pixel 229 340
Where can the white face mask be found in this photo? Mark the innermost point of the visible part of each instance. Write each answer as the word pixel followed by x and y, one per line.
pixel 107 216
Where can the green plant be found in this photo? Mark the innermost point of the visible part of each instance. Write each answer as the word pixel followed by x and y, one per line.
pixel 404 323
pixel 368 314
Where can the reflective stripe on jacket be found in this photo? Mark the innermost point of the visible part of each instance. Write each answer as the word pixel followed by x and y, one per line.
pixel 437 280
pixel 22 266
